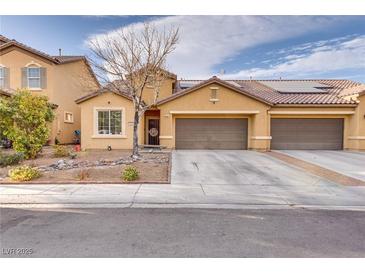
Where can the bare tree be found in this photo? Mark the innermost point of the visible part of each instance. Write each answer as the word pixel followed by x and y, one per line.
pixel 128 60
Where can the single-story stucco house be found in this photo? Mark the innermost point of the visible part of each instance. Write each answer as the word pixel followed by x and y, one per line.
pixel 232 114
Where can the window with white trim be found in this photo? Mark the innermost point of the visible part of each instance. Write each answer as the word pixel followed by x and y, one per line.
pixel 69 117
pixel 2 77
pixel 109 122
pixel 34 77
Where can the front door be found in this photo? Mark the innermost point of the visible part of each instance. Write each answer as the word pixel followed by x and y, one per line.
pixel 153 132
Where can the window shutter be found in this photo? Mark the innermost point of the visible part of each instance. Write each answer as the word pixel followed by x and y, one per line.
pixel 6 78
pixel 43 78
pixel 24 77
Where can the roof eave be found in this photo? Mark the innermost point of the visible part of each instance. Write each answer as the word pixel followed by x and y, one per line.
pixel 317 105
pixel 97 93
pixel 209 82
pixel 16 44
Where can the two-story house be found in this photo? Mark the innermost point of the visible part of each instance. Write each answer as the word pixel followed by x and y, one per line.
pixel 61 78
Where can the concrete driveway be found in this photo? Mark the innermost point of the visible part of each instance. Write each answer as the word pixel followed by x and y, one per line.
pixel 251 177
pixel 236 167
pixel 349 163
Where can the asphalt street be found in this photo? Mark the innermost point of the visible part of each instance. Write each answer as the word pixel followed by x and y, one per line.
pixel 128 232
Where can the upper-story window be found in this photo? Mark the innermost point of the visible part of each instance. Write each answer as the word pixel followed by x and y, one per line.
pixel 34 77
pixel 2 77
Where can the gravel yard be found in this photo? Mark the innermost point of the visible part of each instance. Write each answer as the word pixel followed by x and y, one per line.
pixel 95 166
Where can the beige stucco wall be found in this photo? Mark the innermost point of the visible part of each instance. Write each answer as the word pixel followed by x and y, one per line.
pixel 65 83
pixel 165 91
pixel 71 81
pixel 89 138
pixel 15 59
pixel 229 101
pixel 356 137
pixel 197 105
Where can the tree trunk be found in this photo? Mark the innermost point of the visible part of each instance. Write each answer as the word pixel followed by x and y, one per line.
pixel 135 153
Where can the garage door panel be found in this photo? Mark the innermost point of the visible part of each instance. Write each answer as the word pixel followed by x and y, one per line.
pixel 313 134
pixel 211 133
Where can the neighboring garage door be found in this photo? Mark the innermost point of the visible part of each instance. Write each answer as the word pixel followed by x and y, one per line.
pixel 307 134
pixel 211 133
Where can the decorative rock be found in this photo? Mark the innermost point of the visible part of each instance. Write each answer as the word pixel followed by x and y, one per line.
pixel 71 164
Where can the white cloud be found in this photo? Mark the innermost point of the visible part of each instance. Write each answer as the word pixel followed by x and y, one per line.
pixel 335 55
pixel 207 41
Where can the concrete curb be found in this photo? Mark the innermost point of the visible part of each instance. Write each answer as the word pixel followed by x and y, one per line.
pixel 192 206
pixel 10 183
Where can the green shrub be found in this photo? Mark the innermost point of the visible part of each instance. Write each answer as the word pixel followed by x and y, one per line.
pixel 60 151
pixel 11 159
pixel 25 120
pixel 73 155
pixel 24 173
pixel 130 173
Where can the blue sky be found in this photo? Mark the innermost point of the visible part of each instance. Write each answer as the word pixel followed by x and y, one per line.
pixel 259 46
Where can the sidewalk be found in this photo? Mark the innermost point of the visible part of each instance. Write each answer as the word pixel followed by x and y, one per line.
pixel 194 195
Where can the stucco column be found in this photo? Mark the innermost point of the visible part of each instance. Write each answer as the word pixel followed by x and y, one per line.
pixel 166 129
pixel 260 131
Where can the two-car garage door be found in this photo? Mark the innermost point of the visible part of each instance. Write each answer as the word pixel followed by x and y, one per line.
pixel 294 133
pixel 211 133
pixel 307 134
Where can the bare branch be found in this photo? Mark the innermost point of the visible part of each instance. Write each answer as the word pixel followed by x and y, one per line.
pixel 128 60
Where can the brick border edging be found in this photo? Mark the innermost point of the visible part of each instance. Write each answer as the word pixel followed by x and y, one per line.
pixel 96 182
pixel 317 170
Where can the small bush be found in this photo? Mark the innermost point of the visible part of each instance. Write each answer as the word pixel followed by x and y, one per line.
pixel 83 175
pixel 73 155
pixel 24 173
pixel 60 151
pixel 10 159
pixel 130 173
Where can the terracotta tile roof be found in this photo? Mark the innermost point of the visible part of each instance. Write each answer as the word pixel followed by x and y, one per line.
pixel 3 39
pixel 257 90
pixel 58 60
pixel 215 79
pixel 25 47
pixel 6 42
pixel 68 58
pixel 353 90
pixel 330 96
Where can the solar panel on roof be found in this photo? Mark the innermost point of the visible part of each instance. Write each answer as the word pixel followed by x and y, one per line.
pixel 297 86
pixel 187 84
